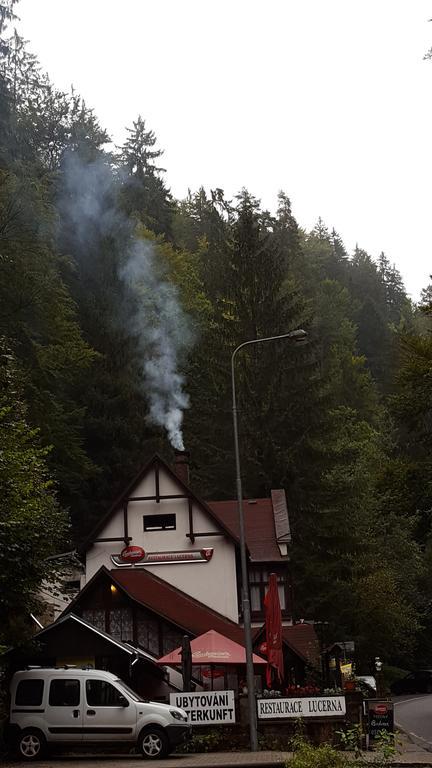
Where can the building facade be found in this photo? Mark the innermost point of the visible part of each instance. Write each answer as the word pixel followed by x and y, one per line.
pixel 163 563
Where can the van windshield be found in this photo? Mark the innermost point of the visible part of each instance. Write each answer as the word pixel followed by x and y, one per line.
pixel 130 691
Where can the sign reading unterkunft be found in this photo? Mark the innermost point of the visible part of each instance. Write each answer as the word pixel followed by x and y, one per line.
pixel 206 708
pixel 316 706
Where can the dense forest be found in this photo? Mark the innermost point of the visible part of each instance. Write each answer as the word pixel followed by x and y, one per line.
pixel 120 307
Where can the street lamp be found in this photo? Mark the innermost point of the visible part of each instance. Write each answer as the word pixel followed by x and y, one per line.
pixel 298 337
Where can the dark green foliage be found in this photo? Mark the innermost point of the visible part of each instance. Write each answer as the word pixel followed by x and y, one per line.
pixel 38 317
pixel 343 423
pixel 32 525
pixel 144 193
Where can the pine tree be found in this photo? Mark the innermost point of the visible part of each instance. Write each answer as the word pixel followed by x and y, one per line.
pixel 144 193
pixel 37 314
pixel 31 520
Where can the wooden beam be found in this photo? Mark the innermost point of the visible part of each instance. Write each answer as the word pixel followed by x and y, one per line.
pixel 191 530
pixel 114 538
pixel 125 523
pixel 160 497
pixel 157 484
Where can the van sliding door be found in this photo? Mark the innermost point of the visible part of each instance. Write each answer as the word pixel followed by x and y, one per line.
pixel 64 711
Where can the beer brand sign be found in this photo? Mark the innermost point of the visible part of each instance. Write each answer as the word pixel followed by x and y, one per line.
pixel 130 556
pixel 315 706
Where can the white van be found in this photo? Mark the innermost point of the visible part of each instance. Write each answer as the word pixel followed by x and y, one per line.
pixel 79 707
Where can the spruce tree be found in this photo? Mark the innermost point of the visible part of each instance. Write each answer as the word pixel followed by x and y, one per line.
pixel 31 520
pixel 144 192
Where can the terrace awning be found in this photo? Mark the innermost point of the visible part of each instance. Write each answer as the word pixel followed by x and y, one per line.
pixel 212 648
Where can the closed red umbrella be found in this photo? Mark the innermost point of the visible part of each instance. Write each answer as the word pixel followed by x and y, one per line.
pixel 273 631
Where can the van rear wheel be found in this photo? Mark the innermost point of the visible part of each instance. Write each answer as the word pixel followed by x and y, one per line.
pixel 153 744
pixel 31 744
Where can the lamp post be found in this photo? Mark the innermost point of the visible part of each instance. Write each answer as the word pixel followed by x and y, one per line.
pixel 297 336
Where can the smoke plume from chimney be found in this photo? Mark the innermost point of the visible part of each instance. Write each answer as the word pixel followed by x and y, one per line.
pixel 151 311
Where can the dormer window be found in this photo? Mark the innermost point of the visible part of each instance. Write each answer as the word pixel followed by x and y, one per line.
pixel 159 522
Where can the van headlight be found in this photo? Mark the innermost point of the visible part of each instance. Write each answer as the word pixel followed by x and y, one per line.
pixel 178 715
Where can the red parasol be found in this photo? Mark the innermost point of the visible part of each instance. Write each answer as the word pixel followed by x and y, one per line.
pixel 273 631
pixel 212 648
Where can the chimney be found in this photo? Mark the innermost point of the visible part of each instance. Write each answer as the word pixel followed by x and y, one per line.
pixel 181 465
pixel 281 520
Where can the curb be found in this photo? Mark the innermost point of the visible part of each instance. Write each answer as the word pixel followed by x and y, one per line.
pixel 417 740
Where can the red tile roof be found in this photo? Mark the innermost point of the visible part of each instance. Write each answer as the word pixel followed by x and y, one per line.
pixel 191 615
pixel 259 527
pixel 301 638
pixel 172 604
pixel 186 612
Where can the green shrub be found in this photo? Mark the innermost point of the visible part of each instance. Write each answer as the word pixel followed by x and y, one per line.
pixel 325 756
pixel 205 742
pixel 351 739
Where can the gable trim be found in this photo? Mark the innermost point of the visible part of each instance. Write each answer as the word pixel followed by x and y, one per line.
pixel 104 572
pixel 122 500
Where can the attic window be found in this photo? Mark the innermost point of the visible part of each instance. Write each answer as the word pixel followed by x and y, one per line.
pixel 159 522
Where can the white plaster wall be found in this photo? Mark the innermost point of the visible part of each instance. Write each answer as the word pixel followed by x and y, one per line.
pixel 212 583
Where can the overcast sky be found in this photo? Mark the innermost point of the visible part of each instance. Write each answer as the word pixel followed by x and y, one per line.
pixel 329 100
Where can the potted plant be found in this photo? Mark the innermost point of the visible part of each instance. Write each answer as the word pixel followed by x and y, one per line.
pixel 350 683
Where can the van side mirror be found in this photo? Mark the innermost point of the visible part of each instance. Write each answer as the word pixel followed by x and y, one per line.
pixel 123 702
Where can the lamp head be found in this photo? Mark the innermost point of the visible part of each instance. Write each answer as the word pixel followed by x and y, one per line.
pixel 299 336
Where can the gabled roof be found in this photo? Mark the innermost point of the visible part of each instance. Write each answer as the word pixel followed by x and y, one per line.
pixel 301 638
pixel 156 459
pixel 259 527
pixel 166 601
pixel 174 605
pixel 73 618
pixel 189 614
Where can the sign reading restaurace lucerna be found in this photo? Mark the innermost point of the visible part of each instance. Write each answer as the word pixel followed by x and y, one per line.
pixel 317 706
pixel 206 708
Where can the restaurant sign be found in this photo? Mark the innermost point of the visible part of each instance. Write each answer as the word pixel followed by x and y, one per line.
pixel 211 708
pixel 380 716
pixel 315 706
pixel 127 558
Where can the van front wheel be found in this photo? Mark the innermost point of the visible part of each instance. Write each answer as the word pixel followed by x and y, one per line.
pixel 31 744
pixel 153 743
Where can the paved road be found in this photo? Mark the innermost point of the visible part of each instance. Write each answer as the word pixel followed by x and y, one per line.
pixel 414 715
pixel 206 760
pixel 410 756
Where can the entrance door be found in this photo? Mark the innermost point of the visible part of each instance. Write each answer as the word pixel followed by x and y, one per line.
pixel 105 716
pixel 64 710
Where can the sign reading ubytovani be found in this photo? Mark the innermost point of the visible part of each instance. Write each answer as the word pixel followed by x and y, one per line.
pixel 211 708
pixel 317 706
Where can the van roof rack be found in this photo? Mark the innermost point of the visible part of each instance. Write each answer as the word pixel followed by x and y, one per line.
pixel 51 666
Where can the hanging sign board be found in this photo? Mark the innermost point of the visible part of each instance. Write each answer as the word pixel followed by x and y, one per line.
pixel 127 558
pixel 315 706
pixel 379 716
pixel 210 708
pixel 132 554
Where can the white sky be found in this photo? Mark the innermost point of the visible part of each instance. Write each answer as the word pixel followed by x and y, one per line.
pixel 328 100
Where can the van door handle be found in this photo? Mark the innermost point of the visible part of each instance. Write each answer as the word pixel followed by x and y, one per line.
pixel 76 712
pixel 91 712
